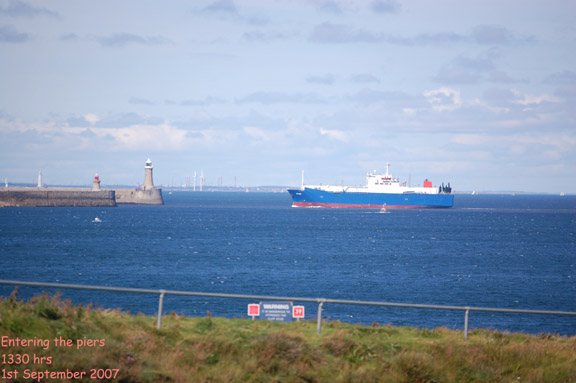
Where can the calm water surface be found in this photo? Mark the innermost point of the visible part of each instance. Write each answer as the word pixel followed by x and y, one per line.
pixel 489 250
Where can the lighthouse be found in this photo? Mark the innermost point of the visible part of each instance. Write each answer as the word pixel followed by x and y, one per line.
pixel 96 183
pixel 147 194
pixel 148 183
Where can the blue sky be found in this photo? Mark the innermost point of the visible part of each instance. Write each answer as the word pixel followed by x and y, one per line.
pixel 478 93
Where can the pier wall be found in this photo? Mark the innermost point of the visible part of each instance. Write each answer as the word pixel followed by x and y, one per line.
pixel 57 197
pixel 139 196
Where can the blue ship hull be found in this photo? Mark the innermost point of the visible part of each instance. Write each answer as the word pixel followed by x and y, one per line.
pixel 321 198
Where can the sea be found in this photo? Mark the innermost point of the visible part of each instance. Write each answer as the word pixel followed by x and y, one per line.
pixel 489 250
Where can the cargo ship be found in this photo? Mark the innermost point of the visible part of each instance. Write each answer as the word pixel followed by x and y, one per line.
pixel 382 191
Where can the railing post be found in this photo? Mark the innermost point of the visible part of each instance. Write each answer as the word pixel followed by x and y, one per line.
pixel 466 314
pixel 160 309
pixel 319 325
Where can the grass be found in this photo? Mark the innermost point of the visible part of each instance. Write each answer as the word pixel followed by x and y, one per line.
pixel 236 350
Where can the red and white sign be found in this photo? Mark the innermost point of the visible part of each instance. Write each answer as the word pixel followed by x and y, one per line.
pixel 254 309
pixel 298 311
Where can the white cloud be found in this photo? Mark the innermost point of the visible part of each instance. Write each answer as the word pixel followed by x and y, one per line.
pixel 133 137
pixel 471 139
pixel 444 99
pixel 545 146
pixel 91 118
pixel 257 133
pixel 146 137
pixel 527 99
pixel 335 134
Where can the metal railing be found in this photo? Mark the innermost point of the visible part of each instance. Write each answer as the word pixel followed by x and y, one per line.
pixel 319 301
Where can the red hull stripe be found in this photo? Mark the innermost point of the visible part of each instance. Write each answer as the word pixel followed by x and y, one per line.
pixel 354 206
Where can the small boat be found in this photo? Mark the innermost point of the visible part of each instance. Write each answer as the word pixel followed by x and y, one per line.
pixel 96 220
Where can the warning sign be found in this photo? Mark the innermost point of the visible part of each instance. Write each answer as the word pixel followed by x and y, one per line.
pixel 254 309
pixel 298 312
pixel 276 311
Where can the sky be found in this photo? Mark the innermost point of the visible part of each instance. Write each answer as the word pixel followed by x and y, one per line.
pixel 479 93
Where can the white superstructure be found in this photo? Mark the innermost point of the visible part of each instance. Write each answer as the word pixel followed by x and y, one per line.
pixel 380 183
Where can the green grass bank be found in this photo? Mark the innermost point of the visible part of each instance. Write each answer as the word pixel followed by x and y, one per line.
pixel 47 339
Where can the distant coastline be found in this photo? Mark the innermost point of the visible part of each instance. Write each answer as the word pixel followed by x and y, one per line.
pixel 251 189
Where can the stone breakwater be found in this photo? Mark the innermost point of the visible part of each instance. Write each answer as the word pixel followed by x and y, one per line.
pixel 139 196
pixel 17 197
pixel 20 197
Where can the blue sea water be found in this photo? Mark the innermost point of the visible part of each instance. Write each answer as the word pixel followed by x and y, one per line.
pixel 499 251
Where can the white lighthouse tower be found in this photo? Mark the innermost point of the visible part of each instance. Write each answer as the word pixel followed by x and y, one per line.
pixel 145 195
pixel 148 183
